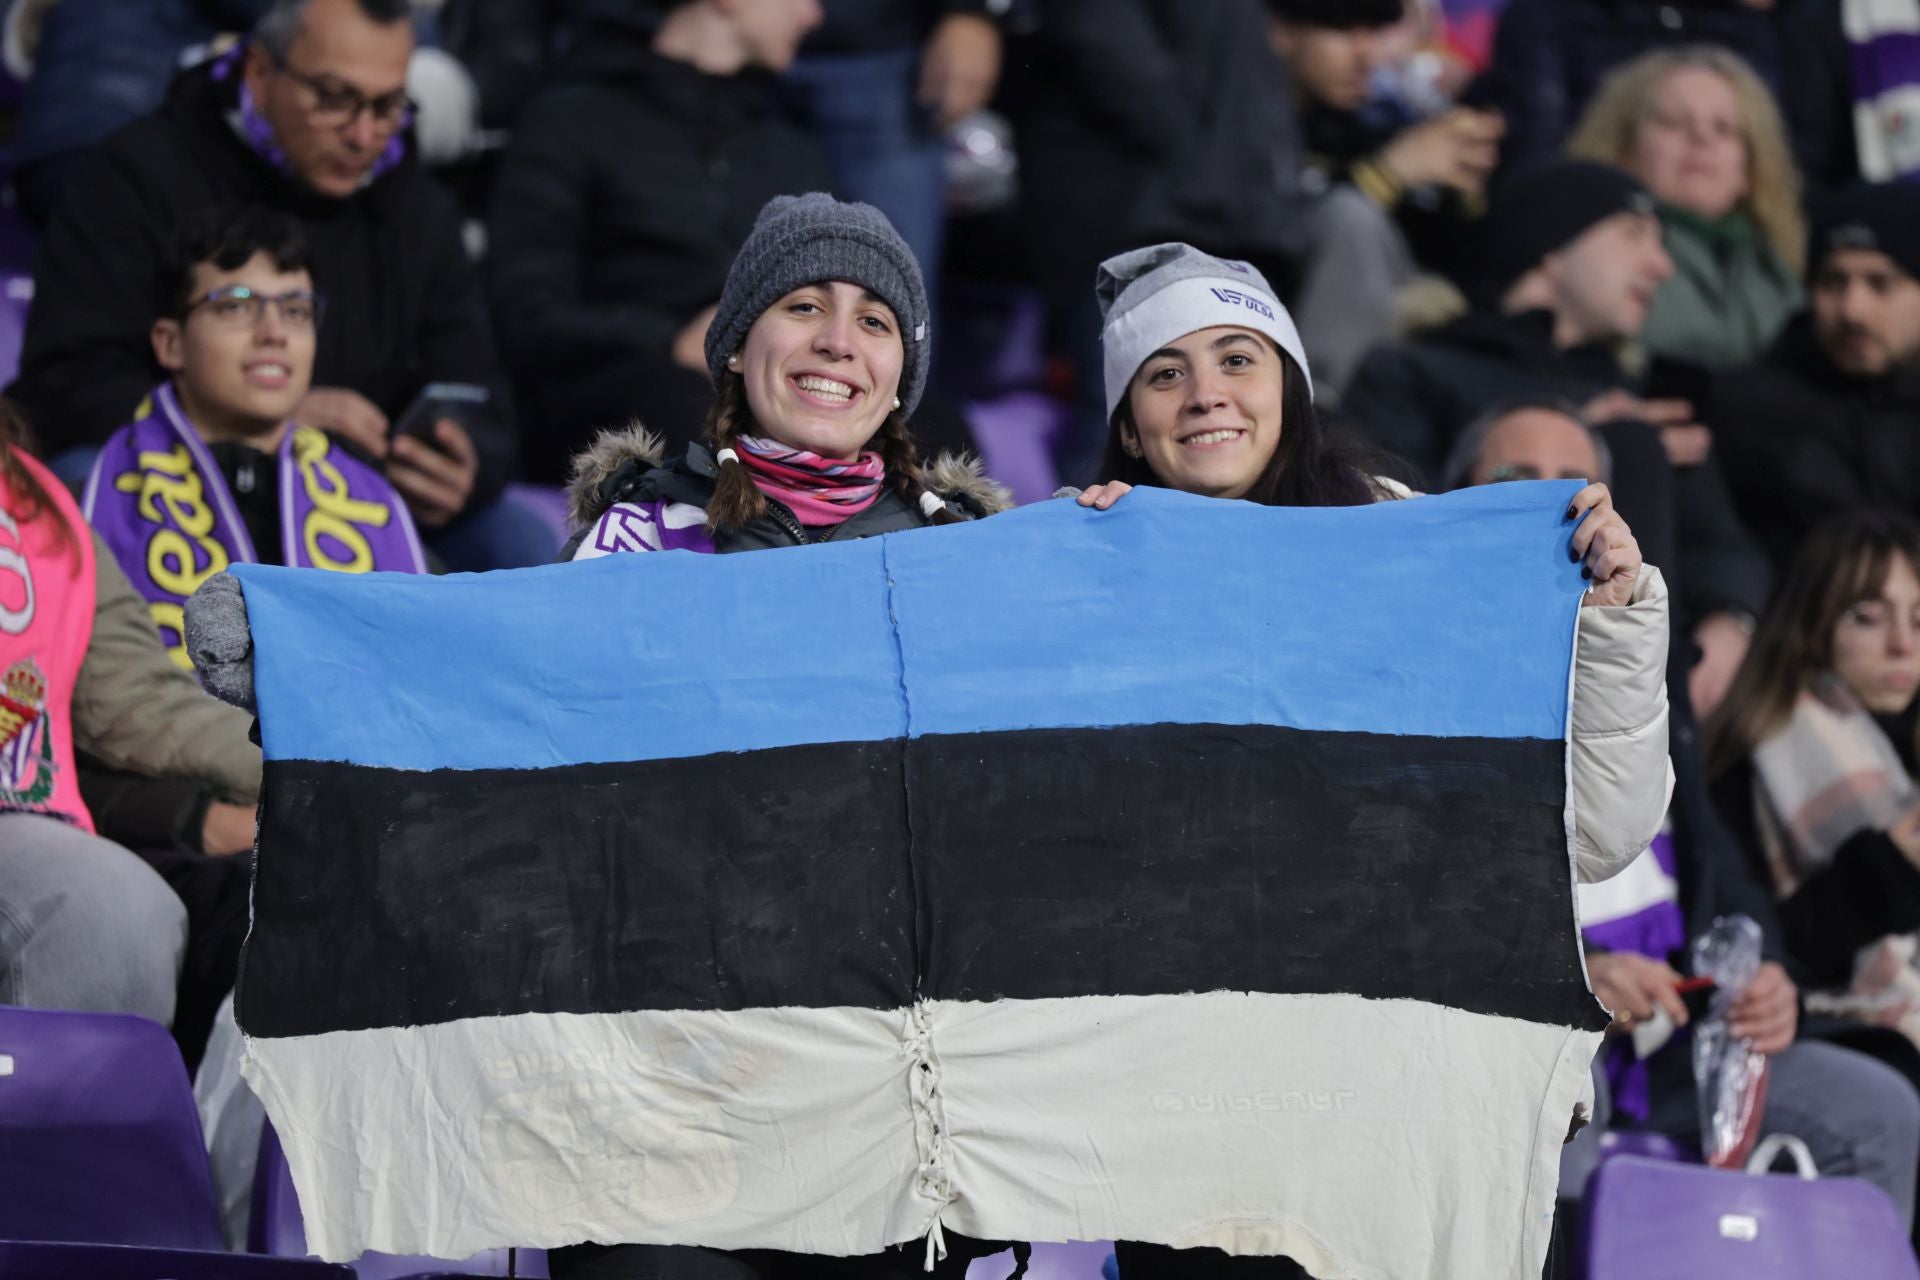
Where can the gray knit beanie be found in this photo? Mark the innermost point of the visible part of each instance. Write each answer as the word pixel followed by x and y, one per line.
pixel 802 240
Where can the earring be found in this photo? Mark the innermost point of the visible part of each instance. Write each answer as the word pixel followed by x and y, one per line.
pixel 896 402
pixel 733 362
pixel 1131 449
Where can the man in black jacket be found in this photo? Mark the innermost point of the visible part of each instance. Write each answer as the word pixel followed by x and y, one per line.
pixel 1570 257
pixel 628 188
pixel 307 118
pixel 1571 254
pixel 1830 420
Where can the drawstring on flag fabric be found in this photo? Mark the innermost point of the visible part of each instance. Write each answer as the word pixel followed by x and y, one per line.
pixel 936 1245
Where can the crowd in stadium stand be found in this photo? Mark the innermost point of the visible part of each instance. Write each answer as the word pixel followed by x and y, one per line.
pixel 446 252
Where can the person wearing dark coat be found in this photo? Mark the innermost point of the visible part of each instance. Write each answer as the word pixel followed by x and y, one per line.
pixel 1144 121
pixel 1551 55
pixel 879 82
pixel 307 119
pixel 1830 420
pixel 1382 188
pixel 628 187
pixel 1570 258
pixel 93 66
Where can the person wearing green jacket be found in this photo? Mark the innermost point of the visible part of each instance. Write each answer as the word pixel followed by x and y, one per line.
pixel 1701 130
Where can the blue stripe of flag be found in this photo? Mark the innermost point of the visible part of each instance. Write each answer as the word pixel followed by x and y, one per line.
pixel 1445 616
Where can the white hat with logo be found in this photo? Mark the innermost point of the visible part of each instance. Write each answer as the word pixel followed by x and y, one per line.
pixel 1157 295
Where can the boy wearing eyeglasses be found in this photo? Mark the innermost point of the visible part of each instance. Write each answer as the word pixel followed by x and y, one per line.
pixel 214 470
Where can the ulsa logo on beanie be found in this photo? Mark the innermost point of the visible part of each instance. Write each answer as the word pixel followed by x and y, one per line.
pixel 1233 297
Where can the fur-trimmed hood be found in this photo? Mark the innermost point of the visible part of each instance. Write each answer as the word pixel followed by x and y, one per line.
pixel 611 453
pixel 616 458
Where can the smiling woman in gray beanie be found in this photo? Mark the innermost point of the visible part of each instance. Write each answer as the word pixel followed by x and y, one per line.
pixel 819 351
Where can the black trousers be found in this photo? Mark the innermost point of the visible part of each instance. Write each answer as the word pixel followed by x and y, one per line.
pixel 214 892
pixel 671 1262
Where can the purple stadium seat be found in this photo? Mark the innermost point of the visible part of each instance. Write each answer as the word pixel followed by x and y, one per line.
pixel 1652 1146
pixel 1050 1262
pixel 1657 1220
pixel 1015 433
pixel 16 296
pixel 277 1228
pixel 992 338
pixel 550 504
pixel 99 1139
pixel 36 1261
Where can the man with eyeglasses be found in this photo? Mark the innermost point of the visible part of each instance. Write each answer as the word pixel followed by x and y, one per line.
pixel 213 472
pixel 309 118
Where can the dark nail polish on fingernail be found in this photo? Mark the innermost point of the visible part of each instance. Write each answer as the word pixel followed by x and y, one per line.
pixel 1585 572
pixel 1570 511
pixel 1573 554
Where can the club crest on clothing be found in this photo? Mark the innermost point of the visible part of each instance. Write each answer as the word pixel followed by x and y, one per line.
pixel 647 526
pixel 27 766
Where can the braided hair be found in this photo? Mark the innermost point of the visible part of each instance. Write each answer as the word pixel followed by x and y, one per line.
pixel 737 499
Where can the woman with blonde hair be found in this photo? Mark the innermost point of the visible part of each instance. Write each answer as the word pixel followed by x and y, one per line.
pixel 1701 130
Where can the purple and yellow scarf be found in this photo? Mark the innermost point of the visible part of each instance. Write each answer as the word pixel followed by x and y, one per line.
pixel 162 506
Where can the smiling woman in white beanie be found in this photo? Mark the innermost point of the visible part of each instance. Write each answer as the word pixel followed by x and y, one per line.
pixel 1209 392
pixel 1170 311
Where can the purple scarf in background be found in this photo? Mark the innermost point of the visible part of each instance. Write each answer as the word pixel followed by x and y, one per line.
pixel 160 503
pixel 1638 911
pixel 1883 40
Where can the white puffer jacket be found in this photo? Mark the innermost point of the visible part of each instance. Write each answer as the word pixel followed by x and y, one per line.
pixel 1621 777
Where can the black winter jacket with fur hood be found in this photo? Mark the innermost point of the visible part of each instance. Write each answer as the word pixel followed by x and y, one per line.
pixel 628 467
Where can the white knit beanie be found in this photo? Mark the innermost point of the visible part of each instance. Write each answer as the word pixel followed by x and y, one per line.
pixel 1150 297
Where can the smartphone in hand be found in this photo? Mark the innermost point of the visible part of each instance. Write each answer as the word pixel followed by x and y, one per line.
pixel 463 402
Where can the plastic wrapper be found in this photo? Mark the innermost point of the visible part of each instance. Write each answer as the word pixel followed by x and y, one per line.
pixel 1730 1073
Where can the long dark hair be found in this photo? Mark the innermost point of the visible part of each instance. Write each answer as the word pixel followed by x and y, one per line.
pixel 1845 561
pixel 1309 468
pixel 736 499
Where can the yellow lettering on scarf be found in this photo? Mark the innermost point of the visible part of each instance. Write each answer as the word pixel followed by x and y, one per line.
pixel 335 514
pixel 169 478
pixel 178 559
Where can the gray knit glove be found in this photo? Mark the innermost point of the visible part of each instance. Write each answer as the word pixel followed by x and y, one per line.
pixel 219 642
